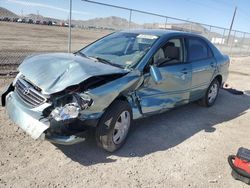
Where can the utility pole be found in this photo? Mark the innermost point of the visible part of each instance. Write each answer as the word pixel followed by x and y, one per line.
pixel 231 26
pixel 69 34
pixel 130 15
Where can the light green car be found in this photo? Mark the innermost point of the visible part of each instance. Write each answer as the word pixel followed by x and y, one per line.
pixel 121 77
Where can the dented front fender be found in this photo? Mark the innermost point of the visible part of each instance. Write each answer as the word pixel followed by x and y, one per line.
pixel 104 95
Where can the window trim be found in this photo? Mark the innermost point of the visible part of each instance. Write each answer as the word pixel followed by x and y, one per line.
pixel 187 38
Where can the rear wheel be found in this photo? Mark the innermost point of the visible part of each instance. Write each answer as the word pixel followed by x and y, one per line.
pixel 211 94
pixel 112 130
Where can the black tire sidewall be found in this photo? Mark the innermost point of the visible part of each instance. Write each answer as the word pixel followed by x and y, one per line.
pixel 105 128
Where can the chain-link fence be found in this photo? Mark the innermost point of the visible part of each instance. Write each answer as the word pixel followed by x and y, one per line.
pixel 26 34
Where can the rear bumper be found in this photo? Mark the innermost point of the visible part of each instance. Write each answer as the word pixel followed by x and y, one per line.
pixel 36 125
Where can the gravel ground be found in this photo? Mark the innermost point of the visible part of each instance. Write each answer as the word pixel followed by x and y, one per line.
pixel 185 147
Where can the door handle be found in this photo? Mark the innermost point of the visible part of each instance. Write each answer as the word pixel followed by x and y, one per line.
pixel 184 71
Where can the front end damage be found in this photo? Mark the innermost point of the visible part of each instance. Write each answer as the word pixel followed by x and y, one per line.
pixel 65 117
pixel 42 122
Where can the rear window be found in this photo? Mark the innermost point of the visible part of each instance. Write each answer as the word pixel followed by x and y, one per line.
pixel 198 49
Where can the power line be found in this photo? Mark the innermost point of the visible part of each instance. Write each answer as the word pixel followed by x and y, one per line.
pixel 200 3
pixel 224 3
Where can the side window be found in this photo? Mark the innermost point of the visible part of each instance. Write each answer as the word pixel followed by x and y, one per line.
pixel 198 50
pixel 170 53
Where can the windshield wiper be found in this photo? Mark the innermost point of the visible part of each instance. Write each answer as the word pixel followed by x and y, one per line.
pixel 81 54
pixel 106 61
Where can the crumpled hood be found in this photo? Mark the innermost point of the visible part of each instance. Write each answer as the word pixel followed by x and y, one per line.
pixel 56 71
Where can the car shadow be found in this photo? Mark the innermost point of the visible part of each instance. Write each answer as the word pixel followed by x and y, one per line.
pixel 163 131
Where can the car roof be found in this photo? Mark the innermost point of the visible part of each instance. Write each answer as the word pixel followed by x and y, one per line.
pixel 159 32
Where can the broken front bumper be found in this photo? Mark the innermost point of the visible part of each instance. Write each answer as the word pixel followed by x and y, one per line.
pixel 34 123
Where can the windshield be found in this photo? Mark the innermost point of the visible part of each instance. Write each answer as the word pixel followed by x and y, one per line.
pixel 120 49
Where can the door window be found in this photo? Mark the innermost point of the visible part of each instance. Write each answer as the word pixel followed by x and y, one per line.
pixel 197 50
pixel 170 53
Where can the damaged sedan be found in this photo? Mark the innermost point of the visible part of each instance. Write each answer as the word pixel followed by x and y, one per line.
pixel 106 85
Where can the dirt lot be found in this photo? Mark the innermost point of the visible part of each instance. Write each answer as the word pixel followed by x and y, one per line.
pixel 185 147
pixel 17 40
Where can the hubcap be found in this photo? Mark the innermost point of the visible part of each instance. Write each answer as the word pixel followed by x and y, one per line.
pixel 212 94
pixel 121 127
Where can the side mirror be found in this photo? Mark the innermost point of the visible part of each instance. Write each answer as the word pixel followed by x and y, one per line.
pixel 155 74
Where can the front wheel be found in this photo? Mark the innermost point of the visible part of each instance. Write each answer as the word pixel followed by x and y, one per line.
pixel 113 128
pixel 211 94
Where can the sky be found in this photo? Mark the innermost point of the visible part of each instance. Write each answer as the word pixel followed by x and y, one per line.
pixel 212 12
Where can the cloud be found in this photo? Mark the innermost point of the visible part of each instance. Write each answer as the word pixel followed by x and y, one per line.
pixel 41 5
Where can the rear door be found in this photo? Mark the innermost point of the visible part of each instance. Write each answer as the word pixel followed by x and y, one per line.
pixel 203 66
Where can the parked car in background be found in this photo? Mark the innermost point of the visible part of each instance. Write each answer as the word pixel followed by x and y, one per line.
pixel 6 19
pixel 49 22
pixel 106 85
pixel 54 23
pixel 14 19
pixel 30 21
pixel 21 20
pixel 37 22
pixel 66 24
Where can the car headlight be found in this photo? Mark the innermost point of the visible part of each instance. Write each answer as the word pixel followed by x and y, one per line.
pixel 68 111
pixel 72 109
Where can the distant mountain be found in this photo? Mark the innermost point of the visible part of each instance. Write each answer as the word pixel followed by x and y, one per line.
pixel 107 22
pixel 117 23
pixel 7 13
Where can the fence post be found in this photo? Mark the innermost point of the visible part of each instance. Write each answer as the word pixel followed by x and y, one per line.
pixel 209 33
pixel 130 15
pixel 166 22
pixel 232 43
pixel 248 48
pixel 242 41
pixel 224 31
pixel 69 34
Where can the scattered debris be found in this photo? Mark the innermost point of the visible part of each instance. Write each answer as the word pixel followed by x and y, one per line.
pixel 228 88
pixel 213 181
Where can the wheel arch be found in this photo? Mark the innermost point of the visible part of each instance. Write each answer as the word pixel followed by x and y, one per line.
pixel 219 78
pixel 133 103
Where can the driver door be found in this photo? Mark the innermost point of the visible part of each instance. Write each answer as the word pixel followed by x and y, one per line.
pixel 174 88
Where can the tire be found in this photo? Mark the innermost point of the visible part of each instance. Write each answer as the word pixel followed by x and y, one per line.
pixel 211 94
pixel 114 125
